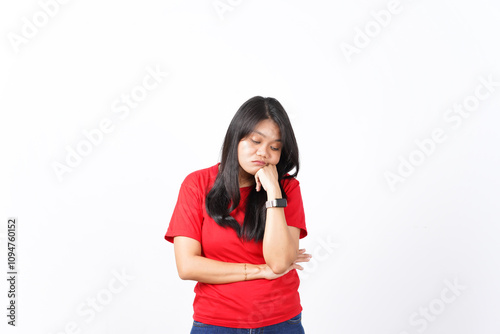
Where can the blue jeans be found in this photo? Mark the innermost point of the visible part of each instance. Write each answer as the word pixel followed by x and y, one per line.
pixel 291 326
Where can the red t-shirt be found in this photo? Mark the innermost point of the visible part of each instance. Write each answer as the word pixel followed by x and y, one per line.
pixel 244 304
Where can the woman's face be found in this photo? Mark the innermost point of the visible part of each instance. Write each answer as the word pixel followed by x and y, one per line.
pixel 261 145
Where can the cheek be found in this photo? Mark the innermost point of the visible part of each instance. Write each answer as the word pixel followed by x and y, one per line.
pixel 242 149
pixel 276 158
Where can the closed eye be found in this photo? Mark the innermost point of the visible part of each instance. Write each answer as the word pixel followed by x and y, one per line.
pixel 272 148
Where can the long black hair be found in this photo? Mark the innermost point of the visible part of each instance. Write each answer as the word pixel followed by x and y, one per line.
pixel 226 189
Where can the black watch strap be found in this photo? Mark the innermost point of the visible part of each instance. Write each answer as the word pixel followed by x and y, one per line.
pixel 279 203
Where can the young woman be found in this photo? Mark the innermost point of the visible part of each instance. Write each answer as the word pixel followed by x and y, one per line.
pixel 236 228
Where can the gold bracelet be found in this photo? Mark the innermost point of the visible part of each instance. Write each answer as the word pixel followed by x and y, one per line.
pixel 245 271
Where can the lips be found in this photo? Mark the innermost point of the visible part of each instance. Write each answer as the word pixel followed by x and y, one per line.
pixel 258 162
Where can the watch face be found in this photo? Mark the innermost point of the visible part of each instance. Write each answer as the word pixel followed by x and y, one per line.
pixel 281 202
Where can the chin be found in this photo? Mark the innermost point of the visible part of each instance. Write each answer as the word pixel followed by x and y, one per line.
pixel 252 169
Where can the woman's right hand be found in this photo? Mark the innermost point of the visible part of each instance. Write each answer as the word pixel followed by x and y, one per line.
pixel 267 272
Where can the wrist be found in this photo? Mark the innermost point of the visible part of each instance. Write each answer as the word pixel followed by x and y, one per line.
pixel 274 193
pixel 254 271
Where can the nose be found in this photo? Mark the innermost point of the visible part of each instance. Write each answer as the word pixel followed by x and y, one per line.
pixel 261 151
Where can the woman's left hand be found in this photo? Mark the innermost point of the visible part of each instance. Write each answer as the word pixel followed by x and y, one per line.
pixel 267 178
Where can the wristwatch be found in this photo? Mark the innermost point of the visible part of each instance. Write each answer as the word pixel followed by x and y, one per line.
pixel 277 203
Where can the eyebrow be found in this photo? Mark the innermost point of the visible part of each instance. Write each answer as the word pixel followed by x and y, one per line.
pixel 263 135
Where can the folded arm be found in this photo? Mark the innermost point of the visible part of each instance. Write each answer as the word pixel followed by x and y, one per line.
pixel 191 265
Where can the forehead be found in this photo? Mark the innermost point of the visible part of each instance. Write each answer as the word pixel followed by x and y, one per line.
pixel 268 129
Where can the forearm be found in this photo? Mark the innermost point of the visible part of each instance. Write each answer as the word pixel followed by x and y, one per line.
pixel 211 271
pixel 278 247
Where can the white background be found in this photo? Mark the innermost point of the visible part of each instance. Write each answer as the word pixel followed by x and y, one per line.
pixel 382 255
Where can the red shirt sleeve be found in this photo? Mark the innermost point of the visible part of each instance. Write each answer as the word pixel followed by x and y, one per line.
pixel 294 211
pixel 187 217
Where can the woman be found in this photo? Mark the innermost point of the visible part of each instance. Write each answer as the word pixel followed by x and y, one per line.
pixel 236 228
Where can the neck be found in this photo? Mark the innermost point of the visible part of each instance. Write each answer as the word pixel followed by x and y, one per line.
pixel 246 184
pixel 245 179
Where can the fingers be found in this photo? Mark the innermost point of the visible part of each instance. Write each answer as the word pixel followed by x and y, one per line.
pixel 302 253
pixel 257 181
pixel 302 256
pixel 269 177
